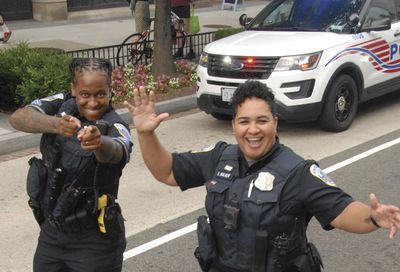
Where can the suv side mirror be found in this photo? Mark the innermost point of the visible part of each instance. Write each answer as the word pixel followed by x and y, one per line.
pixel 377 25
pixel 244 20
pixel 353 20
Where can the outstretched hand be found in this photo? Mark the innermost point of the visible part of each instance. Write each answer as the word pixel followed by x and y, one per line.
pixel 68 125
pixel 387 216
pixel 143 111
pixel 90 138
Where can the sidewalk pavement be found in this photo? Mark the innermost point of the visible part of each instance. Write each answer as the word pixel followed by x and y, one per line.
pixel 84 30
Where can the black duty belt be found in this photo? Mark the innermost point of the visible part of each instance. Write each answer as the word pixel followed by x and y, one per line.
pixel 76 223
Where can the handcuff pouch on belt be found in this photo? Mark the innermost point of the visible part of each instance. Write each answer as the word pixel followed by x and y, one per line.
pixel 206 252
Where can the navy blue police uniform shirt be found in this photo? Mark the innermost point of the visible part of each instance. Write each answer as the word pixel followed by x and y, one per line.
pixel 118 131
pixel 308 190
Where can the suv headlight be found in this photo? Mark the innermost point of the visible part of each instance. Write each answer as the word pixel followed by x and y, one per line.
pixel 203 59
pixel 302 62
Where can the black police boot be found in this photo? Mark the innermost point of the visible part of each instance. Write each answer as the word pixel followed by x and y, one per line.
pixel 190 55
pixel 179 53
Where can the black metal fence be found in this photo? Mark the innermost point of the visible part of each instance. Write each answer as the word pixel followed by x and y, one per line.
pixel 198 42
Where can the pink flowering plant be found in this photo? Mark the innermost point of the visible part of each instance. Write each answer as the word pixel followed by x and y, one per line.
pixel 126 78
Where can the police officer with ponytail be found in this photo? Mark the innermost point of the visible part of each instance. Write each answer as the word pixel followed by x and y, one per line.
pixel 74 186
pixel 261 195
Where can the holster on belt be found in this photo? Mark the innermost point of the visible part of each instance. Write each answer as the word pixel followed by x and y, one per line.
pixel 35 187
pixel 315 258
pixel 109 218
pixel 206 252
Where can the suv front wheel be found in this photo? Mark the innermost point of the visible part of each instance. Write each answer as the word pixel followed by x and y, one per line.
pixel 341 104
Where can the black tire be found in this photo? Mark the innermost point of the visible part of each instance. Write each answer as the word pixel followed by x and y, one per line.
pixel 223 117
pixel 129 52
pixel 341 104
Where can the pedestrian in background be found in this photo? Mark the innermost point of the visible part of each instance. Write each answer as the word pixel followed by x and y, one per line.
pixel 261 195
pixel 141 12
pixel 73 188
pixel 182 9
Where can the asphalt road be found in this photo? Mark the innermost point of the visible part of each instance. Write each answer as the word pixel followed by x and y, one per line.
pixel 153 210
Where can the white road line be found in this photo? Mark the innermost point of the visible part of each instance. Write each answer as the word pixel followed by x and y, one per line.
pixel 183 231
pixel 159 241
pixel 361 156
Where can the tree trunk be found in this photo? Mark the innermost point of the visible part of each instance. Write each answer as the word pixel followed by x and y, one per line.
pixel 162 59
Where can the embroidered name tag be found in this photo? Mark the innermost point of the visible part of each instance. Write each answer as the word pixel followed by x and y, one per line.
pixel 225 175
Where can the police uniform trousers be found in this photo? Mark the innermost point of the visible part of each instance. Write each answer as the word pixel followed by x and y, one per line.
pixel 88 251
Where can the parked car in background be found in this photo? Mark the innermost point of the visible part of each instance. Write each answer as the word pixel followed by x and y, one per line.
pixel 320 57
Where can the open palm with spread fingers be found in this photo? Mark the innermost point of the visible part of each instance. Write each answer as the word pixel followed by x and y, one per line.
pixel 387 216
pixel 143 111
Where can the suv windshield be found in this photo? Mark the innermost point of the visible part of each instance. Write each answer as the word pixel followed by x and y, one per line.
pixel 307 15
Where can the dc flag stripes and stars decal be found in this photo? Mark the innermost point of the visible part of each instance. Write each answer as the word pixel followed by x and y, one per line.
pixel 380 54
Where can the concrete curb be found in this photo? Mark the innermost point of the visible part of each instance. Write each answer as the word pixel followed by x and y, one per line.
pixel 172 106
pixel 16 140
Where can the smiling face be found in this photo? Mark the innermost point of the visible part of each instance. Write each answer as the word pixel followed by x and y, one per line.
pixel 254 127
pixel 92 92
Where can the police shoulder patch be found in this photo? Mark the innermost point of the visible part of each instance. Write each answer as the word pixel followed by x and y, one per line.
pixel 36 102
pixel 123 131
pixel 318 173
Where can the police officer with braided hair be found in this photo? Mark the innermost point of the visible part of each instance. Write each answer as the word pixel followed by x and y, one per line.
pixel 73 187
pixel 260 194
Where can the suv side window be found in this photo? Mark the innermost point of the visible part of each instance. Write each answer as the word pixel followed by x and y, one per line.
pixel 280 15
pixel 381 9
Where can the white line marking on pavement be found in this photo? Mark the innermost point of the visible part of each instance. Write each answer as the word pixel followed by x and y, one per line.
pixel 361 156
pixel 183 231
pixel 159 241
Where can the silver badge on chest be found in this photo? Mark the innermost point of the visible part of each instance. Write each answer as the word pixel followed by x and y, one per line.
pixel 264 181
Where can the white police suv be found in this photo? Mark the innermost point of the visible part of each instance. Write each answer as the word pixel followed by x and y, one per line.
pixel 320 57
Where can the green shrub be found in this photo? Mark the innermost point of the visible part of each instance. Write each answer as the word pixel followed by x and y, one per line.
pixel 37 72
pixel 225 32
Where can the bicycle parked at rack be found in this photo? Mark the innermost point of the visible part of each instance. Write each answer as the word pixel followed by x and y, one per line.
pixel 138 47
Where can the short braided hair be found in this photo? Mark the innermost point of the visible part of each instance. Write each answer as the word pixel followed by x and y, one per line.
pixel 81 65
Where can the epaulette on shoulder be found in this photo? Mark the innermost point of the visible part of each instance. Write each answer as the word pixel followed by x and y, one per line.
pixel 230 152
pixel 59 96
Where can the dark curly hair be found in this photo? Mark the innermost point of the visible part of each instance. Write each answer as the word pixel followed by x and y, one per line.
pixel 81 65
pixel 253 88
